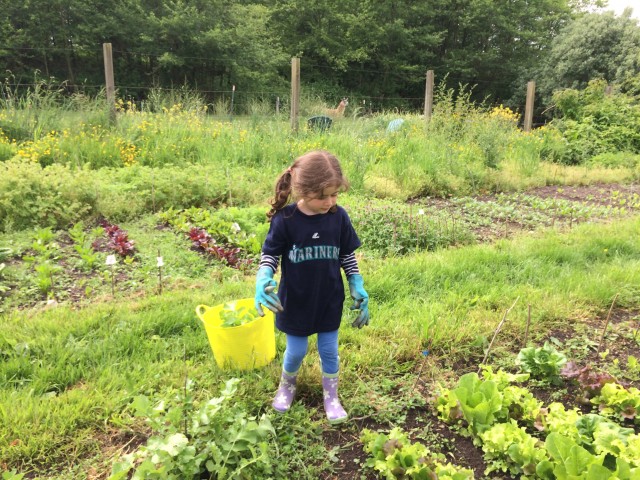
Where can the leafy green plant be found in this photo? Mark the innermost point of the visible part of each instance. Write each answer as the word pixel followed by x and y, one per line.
pixel 12 475
pixel 611 439
pixel 572 461
pixel 509 448
pixel 474 403
pixel 556 418
pixel 617 401
pixel 543 363
pixel 63 195
pixel 42 241
pixel 44 276
pixel 83 245
pixel 396 457
pixel 218 439
pixel 233 317
pixel 520 404
pixel 594 123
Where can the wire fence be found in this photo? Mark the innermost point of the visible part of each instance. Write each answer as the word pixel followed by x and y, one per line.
pixel 404 96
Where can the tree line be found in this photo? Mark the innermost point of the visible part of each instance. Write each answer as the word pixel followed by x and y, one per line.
pixel 364 48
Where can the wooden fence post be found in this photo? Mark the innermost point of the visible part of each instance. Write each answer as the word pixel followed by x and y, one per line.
pixel 295 93
pixel 428 96
pixel 108 75
pixel 528 109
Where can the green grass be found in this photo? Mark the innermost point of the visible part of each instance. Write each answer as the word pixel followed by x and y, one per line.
pixel 67 376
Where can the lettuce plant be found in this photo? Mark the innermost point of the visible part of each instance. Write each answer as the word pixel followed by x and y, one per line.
pixel 203 241
pixel 509 448
pixel 519 404
pixel 619 442
pixel 396 457
pixel 616 401
pixel 118 239
pixel 473 401
pixel 571 461
pixel 543 363
pixel 589 381
pixel 245 228
pixel 556 418
pixel 503 378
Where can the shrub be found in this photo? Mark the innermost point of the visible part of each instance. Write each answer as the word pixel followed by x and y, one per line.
pixel 593 122
pixel 54 196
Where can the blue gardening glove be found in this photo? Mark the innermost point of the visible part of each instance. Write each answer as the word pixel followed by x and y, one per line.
pixel 265 295
pixel 360 300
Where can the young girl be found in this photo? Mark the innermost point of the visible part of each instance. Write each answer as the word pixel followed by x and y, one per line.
pixel 314 238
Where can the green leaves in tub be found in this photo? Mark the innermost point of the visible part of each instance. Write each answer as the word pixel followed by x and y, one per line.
pixel 234 317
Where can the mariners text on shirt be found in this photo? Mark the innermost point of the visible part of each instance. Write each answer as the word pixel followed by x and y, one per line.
pixel 317 252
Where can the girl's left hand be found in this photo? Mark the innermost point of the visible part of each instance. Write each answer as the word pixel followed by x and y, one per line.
pixel 360 300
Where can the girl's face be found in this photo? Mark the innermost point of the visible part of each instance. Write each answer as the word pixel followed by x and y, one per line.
pixel 321 202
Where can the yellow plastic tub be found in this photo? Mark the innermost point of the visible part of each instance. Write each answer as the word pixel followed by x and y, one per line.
pixel 244 347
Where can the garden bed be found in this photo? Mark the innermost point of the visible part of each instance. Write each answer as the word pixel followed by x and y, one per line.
pixel 580 340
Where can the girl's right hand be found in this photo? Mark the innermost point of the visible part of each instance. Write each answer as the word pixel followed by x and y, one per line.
pixel 265 294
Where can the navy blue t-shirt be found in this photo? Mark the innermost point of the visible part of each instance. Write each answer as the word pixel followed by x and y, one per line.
pixel 311 289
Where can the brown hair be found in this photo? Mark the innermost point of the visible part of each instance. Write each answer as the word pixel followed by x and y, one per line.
pixel 310 174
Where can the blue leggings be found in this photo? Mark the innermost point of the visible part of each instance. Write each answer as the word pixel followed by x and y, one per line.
pixel 297 349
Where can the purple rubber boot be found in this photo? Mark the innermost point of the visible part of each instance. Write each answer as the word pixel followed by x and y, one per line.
pixel 333 408
pixel 286 392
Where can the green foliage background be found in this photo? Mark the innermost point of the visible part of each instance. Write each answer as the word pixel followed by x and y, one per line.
pixel 373 51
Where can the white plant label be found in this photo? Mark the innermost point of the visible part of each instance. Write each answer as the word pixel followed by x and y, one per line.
pixel 160 261
pixel 111 259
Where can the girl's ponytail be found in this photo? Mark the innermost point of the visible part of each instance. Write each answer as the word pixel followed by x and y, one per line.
pixel 282 195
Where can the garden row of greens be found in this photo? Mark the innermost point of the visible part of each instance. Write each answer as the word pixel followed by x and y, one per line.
pixel 233 236
pixel 493 410
pixel 59 166
pixel 521 436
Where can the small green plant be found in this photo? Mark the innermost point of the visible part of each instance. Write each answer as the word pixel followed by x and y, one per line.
pixel 44 276
pixel 543 363
pixel 82 244
pixel 570 460
pixel 245 228
pixel 394 456
pixel 234 317
pixel 5 253
pixel 43 246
